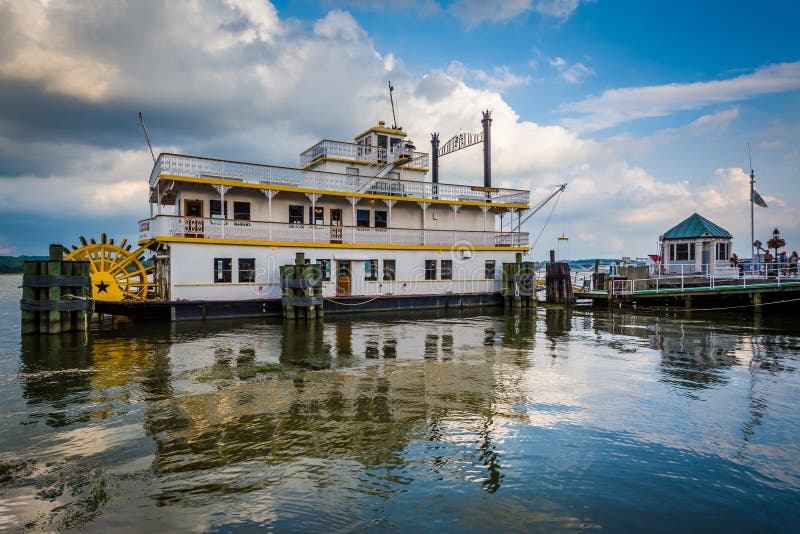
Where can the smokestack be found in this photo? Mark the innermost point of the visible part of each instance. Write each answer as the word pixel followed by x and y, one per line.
pixel 435 157
pixel 487 148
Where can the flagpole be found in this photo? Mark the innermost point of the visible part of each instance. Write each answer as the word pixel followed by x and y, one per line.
pixel 752 219
pixel 752 211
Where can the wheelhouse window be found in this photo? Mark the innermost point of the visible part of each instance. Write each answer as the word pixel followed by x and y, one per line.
pixel 489 268
pixel 389 272
pixel 325 267
pixel 295 214
pixel 241 211
pixel 216 209
pixel 430 269
pixel 222 270
pixel 352 171
pixel 316 215
pixel 247 269
pixel 362 218
pixel 371 270
pixel 381 219
pixel 723 251
pixel 447 270
pixel 682 252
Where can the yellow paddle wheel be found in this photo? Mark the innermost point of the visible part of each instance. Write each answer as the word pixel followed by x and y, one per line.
pixel 117 273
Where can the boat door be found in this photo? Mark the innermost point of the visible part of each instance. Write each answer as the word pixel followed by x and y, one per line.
pixel 336 225
pixel 193 218
pixel 706 258
pixel 343 275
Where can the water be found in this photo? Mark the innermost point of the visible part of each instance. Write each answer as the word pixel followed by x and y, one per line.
pixel 550 421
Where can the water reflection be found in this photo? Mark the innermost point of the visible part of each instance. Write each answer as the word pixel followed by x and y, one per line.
pixel 352 422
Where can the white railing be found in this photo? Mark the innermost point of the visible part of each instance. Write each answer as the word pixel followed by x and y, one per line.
pixel 177 165
pixel 354 151
pixel 710 276
pixel 175 226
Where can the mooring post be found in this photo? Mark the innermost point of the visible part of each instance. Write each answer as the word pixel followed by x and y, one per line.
pixel 30 322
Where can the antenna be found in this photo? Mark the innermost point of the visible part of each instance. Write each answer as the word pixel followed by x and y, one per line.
pixel 752 210
pixel 391 99
pixel 146 137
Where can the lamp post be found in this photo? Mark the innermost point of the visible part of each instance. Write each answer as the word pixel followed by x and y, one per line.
pixel 775 240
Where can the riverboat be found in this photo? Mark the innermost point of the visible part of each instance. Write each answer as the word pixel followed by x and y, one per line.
pixel 385 237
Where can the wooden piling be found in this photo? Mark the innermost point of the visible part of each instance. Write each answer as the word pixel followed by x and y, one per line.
pixel 301 289
pixel 558 282
pixel 49 288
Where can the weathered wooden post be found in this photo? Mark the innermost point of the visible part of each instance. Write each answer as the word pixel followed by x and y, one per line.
pixel 558 282
pixel 45 284
pixel 301 289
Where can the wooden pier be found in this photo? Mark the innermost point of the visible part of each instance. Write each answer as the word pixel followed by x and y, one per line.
pixel 55 294
pixel 519 284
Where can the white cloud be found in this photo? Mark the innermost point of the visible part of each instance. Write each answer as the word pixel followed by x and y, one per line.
pixel 777 143
pixel 575 73
pixel 477 11
pixel 233 80
pixel 500 79
pixel 617 106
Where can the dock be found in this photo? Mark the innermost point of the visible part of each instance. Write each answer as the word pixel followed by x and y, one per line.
pixel 698 293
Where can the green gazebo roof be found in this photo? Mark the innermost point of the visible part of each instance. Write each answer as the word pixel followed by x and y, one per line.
pixel 696 226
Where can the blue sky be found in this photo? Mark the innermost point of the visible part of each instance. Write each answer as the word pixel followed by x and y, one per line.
pixel 644 108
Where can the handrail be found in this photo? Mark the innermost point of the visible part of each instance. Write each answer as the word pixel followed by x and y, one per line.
pixel 356 152
pixel 180 165
pixel 183 226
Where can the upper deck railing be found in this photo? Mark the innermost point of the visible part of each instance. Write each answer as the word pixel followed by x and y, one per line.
pixel 190 166
pixel 356 152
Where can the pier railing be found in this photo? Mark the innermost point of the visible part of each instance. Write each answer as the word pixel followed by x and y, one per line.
pixel 710 277
pixel 190 166
pixel 229 229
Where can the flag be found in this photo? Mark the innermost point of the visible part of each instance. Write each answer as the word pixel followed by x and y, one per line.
pixel 757 200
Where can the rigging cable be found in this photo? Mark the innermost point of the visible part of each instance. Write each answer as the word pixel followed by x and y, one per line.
pixel 546 221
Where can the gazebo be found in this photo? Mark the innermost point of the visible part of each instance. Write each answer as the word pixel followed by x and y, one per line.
pixel 695 245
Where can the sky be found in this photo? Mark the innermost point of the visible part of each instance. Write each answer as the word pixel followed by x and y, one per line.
pixel 645 109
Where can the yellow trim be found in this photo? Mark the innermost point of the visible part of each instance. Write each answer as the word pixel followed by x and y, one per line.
pixel 216 241
pixel 358 162
pixel 234 183
pixel 381 129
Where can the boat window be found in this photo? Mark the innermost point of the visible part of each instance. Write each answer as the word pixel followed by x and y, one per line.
pixel 380 219
pixel 447 270
pixel 490 269
pixel 247 269
pixel 194 208
pixel 336 217
pixel 222 270
pixel 395 175
pixel 362 217
pixel 325 267
pixel 352 170
pixel 216 209
pixel 430 269
pixel 381 141
pixel 371 270
pixel 316 215
pixel 295 214
pixel 389 270
pixel 241 211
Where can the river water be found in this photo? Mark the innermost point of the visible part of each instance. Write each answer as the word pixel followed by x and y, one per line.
pixel 551 420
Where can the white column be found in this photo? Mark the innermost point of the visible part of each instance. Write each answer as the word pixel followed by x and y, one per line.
pixel 698 256
pixel 424 206
pixel 222 189
pixel 484 209
pixel 313 197
pixel 455 207
pixel 158 199
pixel 389 204
pixel 353 202
pixel 270 194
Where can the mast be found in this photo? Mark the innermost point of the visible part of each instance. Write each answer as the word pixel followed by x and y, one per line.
pixel 391 99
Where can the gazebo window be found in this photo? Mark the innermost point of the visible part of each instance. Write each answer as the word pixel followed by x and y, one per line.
pixel 723 250
pixel 682 252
